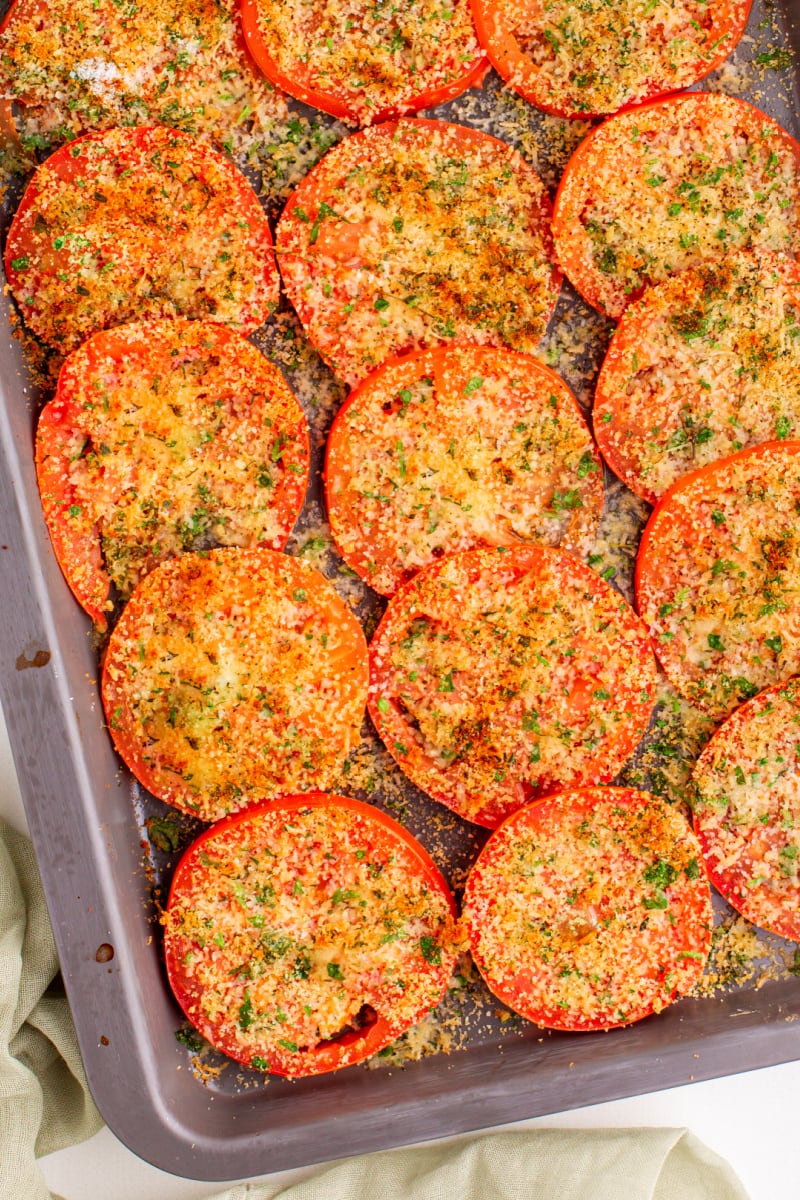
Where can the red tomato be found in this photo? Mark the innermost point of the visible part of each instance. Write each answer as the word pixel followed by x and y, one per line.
pixel 413 234
pixel 234 676
pixel 592 60
pixel 163 437
pixel 662 186
pixel 444 450
pixel 138 223
pixel 374 66
pixel 718 576
pixel 589 910
pixel 307 934
pixel 746 807
pixel 499 675
pixel 705 363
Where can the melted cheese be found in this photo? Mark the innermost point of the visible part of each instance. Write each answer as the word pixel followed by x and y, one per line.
pixel 234 676
pixel 139 223
pixel 707 363
pixel 434 455
pixel 501 674
pixel 283 928
pixel 719 577
pixel 591 910
pixel 374 59
pixel 594 57
pixel 746 805
pixel 654 191
pixel 165 437
pixel 93 64
pixel 412 234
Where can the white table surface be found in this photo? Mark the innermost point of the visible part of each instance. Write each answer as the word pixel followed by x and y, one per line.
pixel 750 1119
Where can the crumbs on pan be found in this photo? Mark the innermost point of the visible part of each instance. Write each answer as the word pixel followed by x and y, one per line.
pixel 741 954
pixel 613 553
pixel 666 756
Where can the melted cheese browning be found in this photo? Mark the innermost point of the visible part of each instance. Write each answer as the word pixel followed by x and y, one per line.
pixel 234 676
pixel 299 923
pixel 163 437
pixel 413 233
pixel 374 59
pixel 705 364
pixel 747 808
pixel 590 910
pixel 718 577
pixel 73 66
pixel 656 190
pixel 436 454
pixel 595 57
pixel 138 223
pixel 500 674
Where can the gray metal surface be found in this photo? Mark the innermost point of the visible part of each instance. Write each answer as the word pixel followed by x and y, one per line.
pixel 86 818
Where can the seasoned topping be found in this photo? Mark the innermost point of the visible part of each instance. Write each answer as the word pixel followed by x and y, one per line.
pixel 448 449
pixel 140 223
pixel 414 233
pixel 166 436
pixel 705 364
pixel 308 934
pixel 590 909
pixel 497 675
pixel 576 60
pixel 365 62
pixel 234 676
pixel 72 66
pixel 747 808
pixel 659 188
pixel 718 577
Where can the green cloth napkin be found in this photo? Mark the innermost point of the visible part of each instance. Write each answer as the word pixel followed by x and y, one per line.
pixel 45 1105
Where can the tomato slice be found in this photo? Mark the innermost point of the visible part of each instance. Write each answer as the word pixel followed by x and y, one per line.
pixel 591 60
pixel 306 934
pixel 660 187
pixel 746 807
pixel 369 64
pixel 704 364
pixel 718 576
pixel 162 437
pixel 138 223
pixel 499 675
pixel 234 676
pixel 590 909
pixel 413 234
pixel 72 66
pixel 444 450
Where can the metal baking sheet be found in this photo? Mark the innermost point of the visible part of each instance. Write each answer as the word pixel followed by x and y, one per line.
pixel 104 872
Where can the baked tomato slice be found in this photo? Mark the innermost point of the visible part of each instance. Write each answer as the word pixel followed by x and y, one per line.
pixel 71 66
pixel 504 674
pixel 591 59
pixel 234 676
pixel 138 223
pixel 661 187
pixel 163 437
pixel 443 450
pixel 704 364
pixel 364 63
pixel 590 909
pixel 718 577
pixel 307 934
pixel 746 807
pixel 413 234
